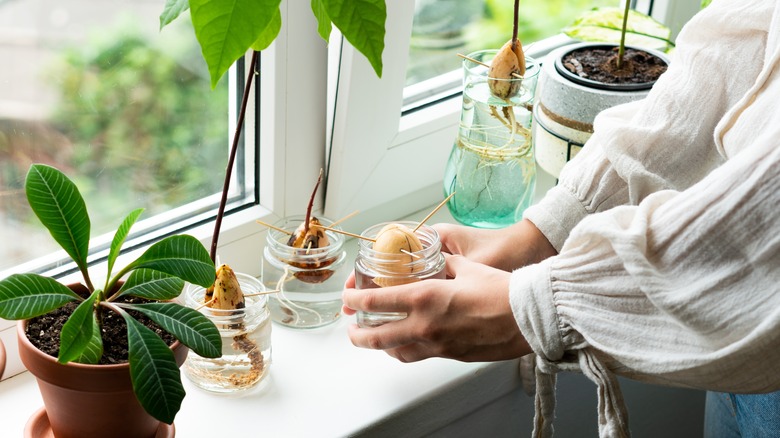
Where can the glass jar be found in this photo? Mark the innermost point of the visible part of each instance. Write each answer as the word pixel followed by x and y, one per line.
pixel 309 281
pixel 246 341
pixel 377 269
pixel 491 167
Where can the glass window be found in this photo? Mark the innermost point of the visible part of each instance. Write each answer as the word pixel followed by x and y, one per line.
pixel 94 88
pixel 444 28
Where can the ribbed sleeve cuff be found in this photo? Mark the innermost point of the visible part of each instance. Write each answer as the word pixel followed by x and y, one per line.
pixel 556 214
pixel 531 298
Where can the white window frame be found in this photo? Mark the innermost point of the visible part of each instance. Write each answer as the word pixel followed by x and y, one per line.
pixel 386 164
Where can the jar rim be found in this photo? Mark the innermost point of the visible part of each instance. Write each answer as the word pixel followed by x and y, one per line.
pixel 532 66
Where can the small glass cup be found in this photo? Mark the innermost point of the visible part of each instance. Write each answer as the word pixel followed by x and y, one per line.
pixel 309 281
pixel 376 269
pixel 246 341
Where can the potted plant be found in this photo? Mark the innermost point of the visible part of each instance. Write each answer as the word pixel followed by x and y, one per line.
pixel 578 81
pixel 87 392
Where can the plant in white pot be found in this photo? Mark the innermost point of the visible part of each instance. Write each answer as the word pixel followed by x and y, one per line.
pixel 71 337
pixel 580 80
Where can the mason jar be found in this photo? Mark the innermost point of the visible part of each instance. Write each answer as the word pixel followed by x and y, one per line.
pixel 309 281
pixel 375 269
pixel 246 340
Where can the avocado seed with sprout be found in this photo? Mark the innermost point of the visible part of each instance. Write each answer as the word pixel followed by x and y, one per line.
pixel 507 65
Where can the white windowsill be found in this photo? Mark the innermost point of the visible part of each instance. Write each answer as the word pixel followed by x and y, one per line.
pixel 321 385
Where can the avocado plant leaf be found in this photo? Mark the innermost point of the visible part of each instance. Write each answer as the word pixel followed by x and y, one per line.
pixel 324 26
pixel 172 10
pixel 269 34
pixel 156 377
pixel 189 326
pixel 226 30
pixel 120 235
pixel 23 296
pixel 152 285
pixel 182 256
pixel 78 330
pixel 606 24
pixel 56 201
pixel 363 24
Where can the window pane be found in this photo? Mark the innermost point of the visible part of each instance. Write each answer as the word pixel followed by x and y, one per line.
pixel 94 88
pixel 444 28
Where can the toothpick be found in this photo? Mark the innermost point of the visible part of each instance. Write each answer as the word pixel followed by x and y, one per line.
pixel 348 234
pixel 289 233
pixel 206 303
pixel 441 204
pixel 411 254
pixel 344 218
pixel 485 65
pixel 262 293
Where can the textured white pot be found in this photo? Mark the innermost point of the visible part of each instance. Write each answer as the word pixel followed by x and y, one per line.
pixel 564 109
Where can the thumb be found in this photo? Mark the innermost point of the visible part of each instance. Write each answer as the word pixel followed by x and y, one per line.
pixel 455 263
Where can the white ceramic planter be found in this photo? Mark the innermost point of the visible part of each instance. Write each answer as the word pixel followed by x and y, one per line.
pixel 564 110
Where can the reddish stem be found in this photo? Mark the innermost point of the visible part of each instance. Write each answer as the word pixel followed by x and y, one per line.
pixel 517 17
pixel 232 159
pixel 311 204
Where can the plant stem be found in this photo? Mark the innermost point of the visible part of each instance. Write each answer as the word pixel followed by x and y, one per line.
pixel 232 159
pixel 622 47
pixel 514 25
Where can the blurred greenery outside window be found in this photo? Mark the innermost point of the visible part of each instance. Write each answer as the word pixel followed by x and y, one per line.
pixel 94 88
pixel 444 28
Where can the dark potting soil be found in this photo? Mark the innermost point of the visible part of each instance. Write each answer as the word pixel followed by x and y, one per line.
pixel 44 331
pixel 600 65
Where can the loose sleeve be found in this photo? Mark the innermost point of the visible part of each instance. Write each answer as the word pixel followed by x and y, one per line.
pixel 682 289
pixel 664 141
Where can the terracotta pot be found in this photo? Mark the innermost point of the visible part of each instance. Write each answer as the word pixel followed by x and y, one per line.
pixel 84 401
pixel 566 106
pixel 2 358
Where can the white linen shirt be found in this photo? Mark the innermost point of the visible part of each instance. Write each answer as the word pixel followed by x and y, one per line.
pixel 666 225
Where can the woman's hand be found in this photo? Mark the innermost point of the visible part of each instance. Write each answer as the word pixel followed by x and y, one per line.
pixel 466 318
pixel 506 249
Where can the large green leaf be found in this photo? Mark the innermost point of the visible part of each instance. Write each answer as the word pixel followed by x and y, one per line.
pixel 363 24
pixel 153 370
pixel 121 235
pixel 269 34
pixel 23 296
pixel 59 205
pixel 182 256
pixel 153 285
pixel 189 326
pixel 78 330
pixel 606 24
pixel 94 349
pixel 226 29
pixel 173 8
pixel 324 26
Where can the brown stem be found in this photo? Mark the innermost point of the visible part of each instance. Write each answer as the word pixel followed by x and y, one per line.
pixel 517 16
pixel 311 204
pixel 232 159
pixel 622 47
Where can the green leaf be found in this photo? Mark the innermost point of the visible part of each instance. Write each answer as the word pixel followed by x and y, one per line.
pixel 153 370
pixel 606 24
pixel 269 34
pixel 59 205
pixel 189 326
pixel 182 256
pixel 78 330
pixel 120 236
pixel 153 285
pixel 226 30
pixel 23 296
pixel 363 24
pixel 324 26
pixel 172 10
pixel 94 349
